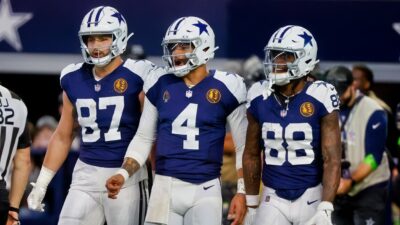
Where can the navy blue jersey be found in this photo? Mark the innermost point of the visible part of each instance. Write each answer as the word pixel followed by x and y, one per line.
pixel 291 136
pixel 108 110
pixel 191 123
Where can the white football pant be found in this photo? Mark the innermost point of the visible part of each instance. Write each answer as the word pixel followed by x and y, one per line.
pixel 274 210
pixel 87 202
pixel 192 204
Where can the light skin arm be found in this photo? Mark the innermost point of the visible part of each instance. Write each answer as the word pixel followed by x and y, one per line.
pixel 252 157
pixel 60 142
pixel 331 154
pixel 19 179
pixel 229 146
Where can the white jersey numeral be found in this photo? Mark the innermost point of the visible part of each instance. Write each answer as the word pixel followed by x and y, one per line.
pixel 89 121
pixel 277 143
pixel 188 115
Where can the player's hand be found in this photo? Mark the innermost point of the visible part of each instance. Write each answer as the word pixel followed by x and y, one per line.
pixel 114 185
pixel 344 186
pixel 323 214
pixel 35 198
pixel 250 216
pixel 238 209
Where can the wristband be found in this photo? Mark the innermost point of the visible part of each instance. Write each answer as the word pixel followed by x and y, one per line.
pixel 13 209
pixel 45 176
pixel 252 200
pixel 240 186
pixel 124 173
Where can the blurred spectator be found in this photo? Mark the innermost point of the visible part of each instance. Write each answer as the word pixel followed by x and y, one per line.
pixel 253 70
pixel 363 188
pixel 45 126
pixel 364 80
pixel 135 52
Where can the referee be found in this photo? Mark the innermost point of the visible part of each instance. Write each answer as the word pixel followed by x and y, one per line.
pixel 15 147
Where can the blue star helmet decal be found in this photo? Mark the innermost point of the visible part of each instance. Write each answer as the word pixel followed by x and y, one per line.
pixel 119 17
pixel 307 38
pixel 202 27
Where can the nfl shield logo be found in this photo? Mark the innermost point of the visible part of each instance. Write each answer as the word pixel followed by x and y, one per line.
pixel 189 93
pixel 283 113
pixel 97 87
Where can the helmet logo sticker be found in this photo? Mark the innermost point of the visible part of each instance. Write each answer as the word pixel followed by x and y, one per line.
pixel 119 17
pixel 307 38
pixel 202 27
pixel 213 96
pixel 120 85
pixel 307 109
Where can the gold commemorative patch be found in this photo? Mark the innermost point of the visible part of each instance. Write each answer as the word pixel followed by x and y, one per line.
pixel 120 85
pixel 307 109
pixel 213 96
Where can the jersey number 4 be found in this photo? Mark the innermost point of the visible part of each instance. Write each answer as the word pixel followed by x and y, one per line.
pixel 89 121
pixel 275 152
pixel 187 117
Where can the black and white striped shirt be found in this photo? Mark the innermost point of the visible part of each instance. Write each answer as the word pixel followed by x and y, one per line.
pixel 14 132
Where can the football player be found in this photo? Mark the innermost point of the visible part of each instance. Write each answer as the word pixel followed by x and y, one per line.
pixel 297 123
pixel 188 108
pixel 102 94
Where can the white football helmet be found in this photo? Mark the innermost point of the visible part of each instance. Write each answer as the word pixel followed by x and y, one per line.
pixel 292 42
pixel 104 20
pixel 197 34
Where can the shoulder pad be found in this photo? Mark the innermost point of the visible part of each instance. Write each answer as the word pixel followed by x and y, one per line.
pixel 146 70
pixel 325 93
pixel 70 68
pixel 234 83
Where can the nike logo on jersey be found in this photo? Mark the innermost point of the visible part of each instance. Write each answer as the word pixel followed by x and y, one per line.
pixel 206 188
pixel 309 203
pixel 374 126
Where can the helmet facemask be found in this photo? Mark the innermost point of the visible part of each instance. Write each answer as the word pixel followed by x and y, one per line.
pixel 104 20
pixel 184 62
pixel 191 32
pixel 281 65
pixel 92 58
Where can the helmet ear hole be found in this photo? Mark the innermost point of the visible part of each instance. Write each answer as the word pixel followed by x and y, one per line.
pixel 308 61
pixel 206 49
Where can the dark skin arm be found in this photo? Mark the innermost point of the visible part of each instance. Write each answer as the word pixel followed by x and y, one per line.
pixel 331 153
pixel 252 157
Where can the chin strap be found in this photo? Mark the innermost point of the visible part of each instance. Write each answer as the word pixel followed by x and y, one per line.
pixel 269 90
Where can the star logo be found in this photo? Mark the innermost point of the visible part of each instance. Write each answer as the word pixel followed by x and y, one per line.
pixel 307 38
pixel 119 17
pixel 10 23
pixel 319 83
pixel 202 27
